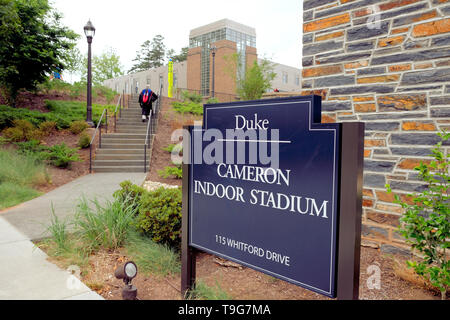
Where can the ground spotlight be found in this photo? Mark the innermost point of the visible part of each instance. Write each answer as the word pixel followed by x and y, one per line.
pixel 127 272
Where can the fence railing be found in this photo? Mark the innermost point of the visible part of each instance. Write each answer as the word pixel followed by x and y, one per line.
pixel 221 96
pixel 99 129
pixel 118 106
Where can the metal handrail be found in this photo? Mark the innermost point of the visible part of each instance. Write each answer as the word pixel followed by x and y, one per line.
pixel 150 123
pixel 118 105
pixel 99 125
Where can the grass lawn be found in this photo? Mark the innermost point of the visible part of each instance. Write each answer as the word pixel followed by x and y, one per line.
pixel 18 175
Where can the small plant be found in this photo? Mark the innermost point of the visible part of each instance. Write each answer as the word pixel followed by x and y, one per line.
pixel 212 100
pixel 192 97
pixel 47 127
pixel 204 292
pixel 76 127
pixel 103 226
pixel 13 134
pixel 160 215
pixel 58 232
pixel 22 130
pixel 167 172
pixel 188 107
pixel 60 155
pixel 130 194
pixel 84 141
pixel 426 222
pixel 174 148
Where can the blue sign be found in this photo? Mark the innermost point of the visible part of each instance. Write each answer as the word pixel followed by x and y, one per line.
pixel 264 188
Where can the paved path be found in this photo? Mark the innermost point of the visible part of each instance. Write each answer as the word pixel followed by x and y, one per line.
pixel 25 272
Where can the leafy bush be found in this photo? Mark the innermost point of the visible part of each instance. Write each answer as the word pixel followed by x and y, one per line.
pixel 22 130
pixel 188 107
pixel 173 148
pixel 78 126
pixel 9 114
pixel 60 155
pixel 130 194
pixel 84 141
pixel 160 215
pixel 47 127
pixel 192 97
pixel 212 100
pixel 32 148
pixel 13 134
pixel 167 172
pixel 426 222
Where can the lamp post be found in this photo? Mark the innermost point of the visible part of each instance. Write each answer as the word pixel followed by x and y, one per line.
pixel 213 52
pixel 89 31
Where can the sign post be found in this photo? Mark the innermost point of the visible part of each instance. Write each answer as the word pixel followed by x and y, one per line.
pixel 266 185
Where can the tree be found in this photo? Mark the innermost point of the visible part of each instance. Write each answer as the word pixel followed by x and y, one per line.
pixel 32 44
pixel 151 55
pixel 426 221
pixel 73 60
pixel 257 80
pixel 252 82
pixel 182 56
pixel 106 66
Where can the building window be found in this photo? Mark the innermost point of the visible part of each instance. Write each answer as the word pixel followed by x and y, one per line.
pixel 297 80
pixel 285 77
pixel 175 80
pixel 148 80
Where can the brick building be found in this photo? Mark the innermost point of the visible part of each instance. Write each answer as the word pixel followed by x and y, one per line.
pixel 386 63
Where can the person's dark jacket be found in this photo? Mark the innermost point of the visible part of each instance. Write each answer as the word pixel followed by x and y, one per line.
pixel 148 103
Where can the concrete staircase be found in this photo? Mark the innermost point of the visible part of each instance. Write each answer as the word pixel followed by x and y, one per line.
pixel 123 151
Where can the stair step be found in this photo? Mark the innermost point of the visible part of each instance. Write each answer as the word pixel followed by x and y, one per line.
pixel 117 151
pixel 121 146
pixel 125 135
pixel 119 163
pixel 109 140
pixel 119 169
pixel 127 157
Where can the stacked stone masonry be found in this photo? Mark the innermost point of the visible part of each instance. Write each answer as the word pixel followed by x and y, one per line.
pixel 386 63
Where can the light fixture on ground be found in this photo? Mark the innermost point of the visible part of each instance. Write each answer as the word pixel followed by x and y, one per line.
pixel 127 272
pixel 89 31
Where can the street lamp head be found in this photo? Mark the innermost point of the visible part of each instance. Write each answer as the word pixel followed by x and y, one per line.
pixel 213 50
pixel 89 30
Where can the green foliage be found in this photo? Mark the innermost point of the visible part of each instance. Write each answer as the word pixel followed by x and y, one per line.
pixel 188 107
pixel 21 130
pixel 71 111
pixel 257 80
pixel 212 101
pixel 32 44
pixel 59 233
pixel 84 141
pixel 168 171
pixel 19 173
pixel 60 155
pixel 160 215
pixel 426 223
pixel 182 56
pixel 32 148
pixel 191 97
pixel 78 126
pixel 174 148
pixel 47 127
pixel 151 257
pixel 151 55
pixel 204 292
pixel 105 226
pixel 130 194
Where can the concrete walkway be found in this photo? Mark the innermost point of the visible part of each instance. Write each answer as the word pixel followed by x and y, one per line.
pixel 25 272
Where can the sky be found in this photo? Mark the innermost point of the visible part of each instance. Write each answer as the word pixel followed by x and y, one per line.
pixel 125 25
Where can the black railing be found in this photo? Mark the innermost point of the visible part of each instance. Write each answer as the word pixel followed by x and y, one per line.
pixel 151 125
pixel 99 126
pixel 118 106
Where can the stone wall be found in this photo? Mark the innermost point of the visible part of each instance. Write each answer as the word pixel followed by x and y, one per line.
pixel 386 63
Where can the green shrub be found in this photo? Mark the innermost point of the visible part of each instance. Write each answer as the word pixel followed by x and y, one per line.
pixel 160 215
pixel 78 126
pixel 167 172
pixel 13 134
pixel 130 193
pixel 47 127
pixel 174 148
pixel 192 97
pixel 60 155
pixel 188 107
pixel 103 226
pixel 85 140
pixel 426 222
pixel 32 148
pixel 212 100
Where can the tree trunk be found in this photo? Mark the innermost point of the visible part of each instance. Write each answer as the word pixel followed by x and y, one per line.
pixel 443 294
